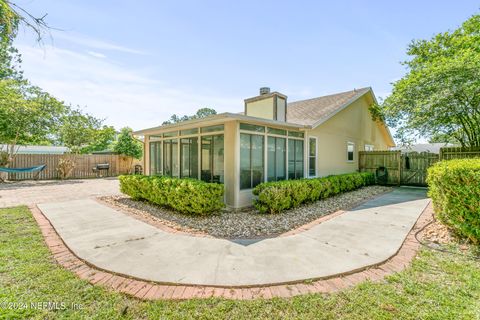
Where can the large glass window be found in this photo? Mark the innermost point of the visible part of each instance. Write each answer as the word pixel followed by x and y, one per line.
pixel 212 159
pixel 188 132
pixel 170 157
pixel 276 155
pixel 155 158
pixel 170 134
pixel 312 157
pixel 212 128
pixel 189 158
pixel 251 160
pixel 277 131
pixel 295 159
pixel 295 134
pixel 251 127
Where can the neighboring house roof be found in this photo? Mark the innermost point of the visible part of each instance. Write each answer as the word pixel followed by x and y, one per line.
pixel 314 111
pixel 425 147
pixel 38 149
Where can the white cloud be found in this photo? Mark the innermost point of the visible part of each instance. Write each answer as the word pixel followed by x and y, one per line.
pixel 86 41
pixel 122 95
pixel 96 54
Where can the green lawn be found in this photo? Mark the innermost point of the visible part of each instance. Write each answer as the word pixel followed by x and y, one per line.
pixel 437 286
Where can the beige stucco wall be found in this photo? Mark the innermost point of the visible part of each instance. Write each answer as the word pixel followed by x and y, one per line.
pixel 260 108
pixel 281 105
pixel 231 162
pixel 352 124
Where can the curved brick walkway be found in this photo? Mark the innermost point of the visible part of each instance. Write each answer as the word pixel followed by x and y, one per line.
pixel 374 269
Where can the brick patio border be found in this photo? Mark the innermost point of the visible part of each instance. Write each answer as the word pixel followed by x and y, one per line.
pixel 148 290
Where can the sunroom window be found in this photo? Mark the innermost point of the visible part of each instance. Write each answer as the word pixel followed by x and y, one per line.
pixel 155 158
pixel 189 158
pixel 251 160
pixel 170 157
pixel 295 159
pixel 276 155
pixel 212 159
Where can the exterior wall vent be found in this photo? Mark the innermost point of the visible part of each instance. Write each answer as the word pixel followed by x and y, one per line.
pixel 264 90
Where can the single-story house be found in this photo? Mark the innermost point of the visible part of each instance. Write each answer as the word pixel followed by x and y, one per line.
pixel 271 140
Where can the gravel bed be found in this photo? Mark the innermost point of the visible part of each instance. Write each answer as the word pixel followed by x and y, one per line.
pixel 246 223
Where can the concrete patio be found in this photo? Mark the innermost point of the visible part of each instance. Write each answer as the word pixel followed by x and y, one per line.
pixel 111 240
pixel 33 192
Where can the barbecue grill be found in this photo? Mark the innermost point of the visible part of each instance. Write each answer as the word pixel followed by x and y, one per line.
pixel 101 168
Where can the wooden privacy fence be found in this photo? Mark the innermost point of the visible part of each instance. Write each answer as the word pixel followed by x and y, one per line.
pixel 459 153
pixel 370 161
pixel 410 168
pixel 84 164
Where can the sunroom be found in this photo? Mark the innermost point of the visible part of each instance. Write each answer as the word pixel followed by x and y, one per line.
pixel 236 150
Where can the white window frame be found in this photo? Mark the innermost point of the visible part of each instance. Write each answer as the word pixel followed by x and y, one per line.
pixel 350 143
pixel 316 157
pixel 370 147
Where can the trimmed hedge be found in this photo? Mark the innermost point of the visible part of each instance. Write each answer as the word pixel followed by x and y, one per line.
pixel 274 197
pixel 454 186
pixel 183 195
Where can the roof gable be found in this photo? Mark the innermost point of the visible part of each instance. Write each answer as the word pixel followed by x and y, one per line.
pixel 312 112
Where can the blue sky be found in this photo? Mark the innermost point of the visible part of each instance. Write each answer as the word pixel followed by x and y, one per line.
pixel 136 62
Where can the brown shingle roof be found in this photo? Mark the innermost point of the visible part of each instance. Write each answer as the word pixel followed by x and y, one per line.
pixel 311 111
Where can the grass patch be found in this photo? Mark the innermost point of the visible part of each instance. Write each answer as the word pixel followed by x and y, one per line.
pixel 436 286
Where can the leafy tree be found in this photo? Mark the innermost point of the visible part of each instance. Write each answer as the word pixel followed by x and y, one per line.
pixel 128 146
pixel 13 15
pixel 201 113
pixel 78 129
pixel 27 115
pixel 10 61
pixel 103 139
pixel 440 94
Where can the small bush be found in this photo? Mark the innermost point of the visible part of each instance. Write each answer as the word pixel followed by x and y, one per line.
pixel 454 187
pixel 183 195
pixel 3 158
pixel 274 197
pixel 65 167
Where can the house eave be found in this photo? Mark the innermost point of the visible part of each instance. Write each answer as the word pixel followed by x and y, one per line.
pixel 218 118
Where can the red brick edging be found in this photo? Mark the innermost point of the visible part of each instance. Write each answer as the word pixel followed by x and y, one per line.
pixel 150 290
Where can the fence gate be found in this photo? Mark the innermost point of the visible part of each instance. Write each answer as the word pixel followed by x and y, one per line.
pixel 403 168
pixel 414 167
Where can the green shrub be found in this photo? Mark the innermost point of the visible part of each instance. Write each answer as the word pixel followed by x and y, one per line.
pixel 454 187
pixel 183 195
pixel 274 197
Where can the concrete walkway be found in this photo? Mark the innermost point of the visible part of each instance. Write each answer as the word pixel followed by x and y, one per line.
pixel 111 240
